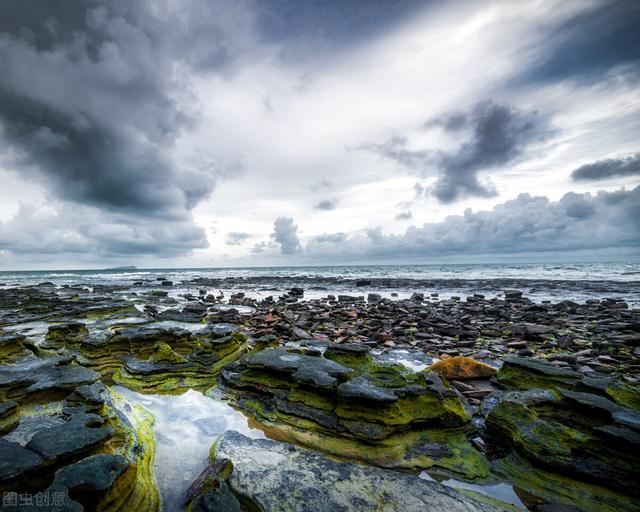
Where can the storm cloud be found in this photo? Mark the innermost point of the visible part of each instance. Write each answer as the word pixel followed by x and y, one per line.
pixel 92 102
pixel 602 37
pixel 496 135
pixel 608 168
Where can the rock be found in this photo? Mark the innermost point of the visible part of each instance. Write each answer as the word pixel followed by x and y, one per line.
pixel 219 499
pixel 578 434
pixel 361 389
pixel 383 413
pixel 296 292
pixel 348 354
pixel 77 436
pixel 372 298
pixel 32 379
pixel 89 479
pixel 66 333
pixel 524 373
pixel 12 347
pixel 277 477
pixel 17 461
pixel 219 469
pixel 320 372
pixel 167 370
pixel 462 368
pixel 512 294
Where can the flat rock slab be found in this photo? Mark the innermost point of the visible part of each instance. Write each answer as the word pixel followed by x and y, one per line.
pixel 16 460
pixel 40 375
pixel 280 477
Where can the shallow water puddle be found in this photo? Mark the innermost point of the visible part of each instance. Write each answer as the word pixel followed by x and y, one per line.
pixel 501 491
pixel 414 360
pixel 186 426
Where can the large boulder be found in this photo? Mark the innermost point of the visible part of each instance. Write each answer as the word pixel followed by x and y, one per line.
pixel 277 476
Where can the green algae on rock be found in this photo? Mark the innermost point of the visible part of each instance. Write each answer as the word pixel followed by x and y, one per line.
pixel 66 436
pixel 12 347
pixel 385 414
pixel 151 358
pixel 524 373
pixel 585 437
pixel 165 370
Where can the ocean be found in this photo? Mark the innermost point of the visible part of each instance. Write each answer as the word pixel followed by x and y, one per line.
pixel 539 281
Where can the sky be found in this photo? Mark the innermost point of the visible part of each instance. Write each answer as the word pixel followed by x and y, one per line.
pixel 174 133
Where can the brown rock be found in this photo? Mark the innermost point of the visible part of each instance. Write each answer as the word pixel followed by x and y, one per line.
pixel 462 368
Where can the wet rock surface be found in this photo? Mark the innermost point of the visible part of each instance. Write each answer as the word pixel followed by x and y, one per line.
pixel 488 390
pixel 67 443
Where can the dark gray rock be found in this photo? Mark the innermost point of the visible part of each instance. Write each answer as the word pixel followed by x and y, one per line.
pixel 77 436
pixel 16 460
pixel 361 389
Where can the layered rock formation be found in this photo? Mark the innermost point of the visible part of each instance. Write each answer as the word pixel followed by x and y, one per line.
pixel 345 403
pixel 64 439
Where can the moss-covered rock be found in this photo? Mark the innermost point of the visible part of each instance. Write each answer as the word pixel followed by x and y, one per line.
pixel 42 380
pixel 279 477
pixel 12 347
pixel 165 370
pixel 524 373
pixel 67 334
pixel 584 436
pixel 66 436
pixel 385 414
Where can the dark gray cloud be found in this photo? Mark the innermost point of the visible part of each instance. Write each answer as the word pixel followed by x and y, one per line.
pixel 285 234
pixel 588 45
pixel 527 224
pixel 404 216
pixel 237 237
pixel 91 104
pixel 310 28
pixel 608 168
pixel 497 135
pixel 326 204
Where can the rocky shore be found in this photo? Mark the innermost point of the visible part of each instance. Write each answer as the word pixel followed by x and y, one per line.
pixel 368 401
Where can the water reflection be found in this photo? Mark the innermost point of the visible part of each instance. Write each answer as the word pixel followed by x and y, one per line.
pixel 185 428
pixel 501 491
